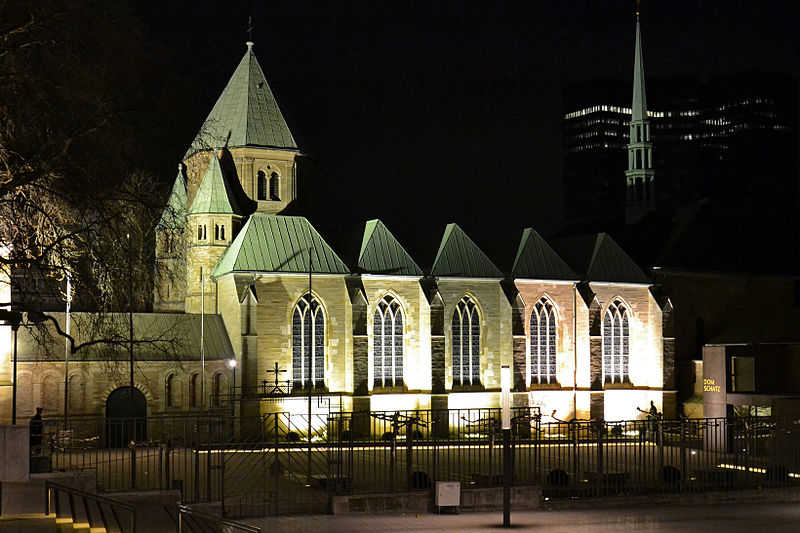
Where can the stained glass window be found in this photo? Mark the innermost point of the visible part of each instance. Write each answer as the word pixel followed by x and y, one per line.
pixel 466 336
pixel 542 342
pixel 616 343
pixel 387 330
pixel 308 344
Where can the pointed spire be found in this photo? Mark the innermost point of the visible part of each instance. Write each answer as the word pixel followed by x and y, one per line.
pixel 246 113
pixel 174 215
pixel 214 195
pixel 639 107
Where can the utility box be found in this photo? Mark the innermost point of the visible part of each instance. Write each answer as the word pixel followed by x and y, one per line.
pixel 448 494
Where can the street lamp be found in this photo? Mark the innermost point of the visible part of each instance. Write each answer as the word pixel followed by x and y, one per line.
pixel 505 403
pixel 232 365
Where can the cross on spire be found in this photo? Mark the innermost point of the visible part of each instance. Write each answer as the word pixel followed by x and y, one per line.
pixel 250 28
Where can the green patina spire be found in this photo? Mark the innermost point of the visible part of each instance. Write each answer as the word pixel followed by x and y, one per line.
pixel 639 107
pixel 246 113
pixel 214 195
pixel 174 215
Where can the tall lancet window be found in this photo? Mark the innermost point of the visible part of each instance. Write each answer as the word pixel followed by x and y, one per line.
pixel 616 343
pixel 308 343
pixel 466 329
pixel 543 342
pixel 274 187
pixel 387 334
pixel 262 185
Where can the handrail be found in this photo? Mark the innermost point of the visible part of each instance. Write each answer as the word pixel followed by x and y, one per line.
pixel 216 520
pixel 72 491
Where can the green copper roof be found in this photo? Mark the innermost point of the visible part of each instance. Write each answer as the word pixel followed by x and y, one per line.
pixel 246 113
pixel 174 215
pixel 639 107
pixel 458 256
pixel 382 254
pixel 271 243
pixel 214 195
pixel 537 260
pixel 599 258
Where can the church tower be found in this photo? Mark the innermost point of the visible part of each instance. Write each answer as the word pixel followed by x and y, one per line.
pixel 247 124
pixel 212 221
pixel 640 176
pixel 244 160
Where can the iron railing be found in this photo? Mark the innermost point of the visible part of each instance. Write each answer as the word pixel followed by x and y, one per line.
pixel 92 510
pixel 192 521
pixel 267 464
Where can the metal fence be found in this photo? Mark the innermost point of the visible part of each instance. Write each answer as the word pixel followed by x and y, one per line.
pixel 273 464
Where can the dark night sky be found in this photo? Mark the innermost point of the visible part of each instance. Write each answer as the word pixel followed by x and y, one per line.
pixel 426 113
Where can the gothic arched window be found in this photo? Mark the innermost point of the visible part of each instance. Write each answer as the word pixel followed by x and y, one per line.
pixel 616 343
pixel 169 392
pixel 274 187
pixel 193 391
pixel 262 185
pixel 387 333
pixel 308 343
pixel 543 342
pixel 466 331
pixel 216 390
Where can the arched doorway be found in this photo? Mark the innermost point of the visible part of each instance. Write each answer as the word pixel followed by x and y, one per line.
pixel 126 417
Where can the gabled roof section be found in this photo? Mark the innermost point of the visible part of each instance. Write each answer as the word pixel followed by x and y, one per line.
pixel 272 243
pixel 599 258
pixel 174 215
pixel 214 194
pixel 246 113
pixel 459 256
pixel 537 260
pixel 382 254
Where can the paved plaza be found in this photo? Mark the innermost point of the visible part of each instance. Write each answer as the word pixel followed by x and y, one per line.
pixel 728 518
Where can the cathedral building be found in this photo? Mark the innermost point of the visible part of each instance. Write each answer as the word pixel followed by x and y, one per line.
pixel 581 326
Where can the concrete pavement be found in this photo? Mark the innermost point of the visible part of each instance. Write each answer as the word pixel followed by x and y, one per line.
pixel 722 518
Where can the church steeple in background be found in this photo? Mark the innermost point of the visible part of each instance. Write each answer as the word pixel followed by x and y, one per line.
pixel 640 176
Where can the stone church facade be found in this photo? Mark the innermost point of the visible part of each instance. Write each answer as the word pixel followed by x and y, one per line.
pixel 581 326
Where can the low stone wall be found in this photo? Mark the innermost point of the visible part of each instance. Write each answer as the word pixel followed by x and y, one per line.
pixel 29 497
pixel 486 499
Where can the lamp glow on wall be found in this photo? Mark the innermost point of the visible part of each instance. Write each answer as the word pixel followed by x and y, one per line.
pixel 505 395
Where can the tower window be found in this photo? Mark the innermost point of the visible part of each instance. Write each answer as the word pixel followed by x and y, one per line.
pixel 274 187
pixel 262 185
pixel 216 232
pixel 222 232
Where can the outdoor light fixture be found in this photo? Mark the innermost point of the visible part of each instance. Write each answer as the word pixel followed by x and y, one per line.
pixel 232 365
pixel 505 395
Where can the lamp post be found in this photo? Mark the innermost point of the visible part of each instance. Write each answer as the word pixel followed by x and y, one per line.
pixel 505 404
pixel 232 366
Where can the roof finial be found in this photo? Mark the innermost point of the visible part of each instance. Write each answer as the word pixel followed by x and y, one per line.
pixel 637 8
pixel 250 33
